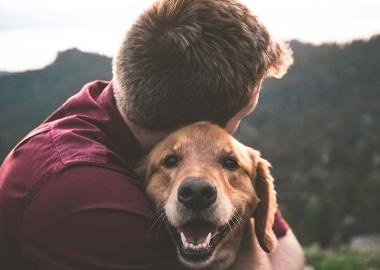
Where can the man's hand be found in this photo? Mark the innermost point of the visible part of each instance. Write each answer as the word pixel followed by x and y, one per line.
pixel 288 255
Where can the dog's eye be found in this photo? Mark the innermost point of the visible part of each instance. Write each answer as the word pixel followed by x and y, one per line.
pixel 230 163
pixel 170 162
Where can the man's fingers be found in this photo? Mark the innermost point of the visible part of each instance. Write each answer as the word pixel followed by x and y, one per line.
pixel 251 255
pixel 249 241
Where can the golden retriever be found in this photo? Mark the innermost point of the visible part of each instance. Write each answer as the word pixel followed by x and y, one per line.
pixel 207 185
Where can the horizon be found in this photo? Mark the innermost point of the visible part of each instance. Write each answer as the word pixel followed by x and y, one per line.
pixel 34 31
pixel 341 44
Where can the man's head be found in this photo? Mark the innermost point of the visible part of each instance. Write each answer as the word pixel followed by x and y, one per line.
pixel 185 61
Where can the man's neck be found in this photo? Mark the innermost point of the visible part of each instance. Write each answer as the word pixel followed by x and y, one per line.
pixel 147 138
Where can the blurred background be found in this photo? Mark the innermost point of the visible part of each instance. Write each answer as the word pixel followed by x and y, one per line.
pixel 319 125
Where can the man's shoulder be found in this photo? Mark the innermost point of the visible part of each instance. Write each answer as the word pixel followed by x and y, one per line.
pixel 76 140
pixel 51 150
pixel 87 128
pixel 52 146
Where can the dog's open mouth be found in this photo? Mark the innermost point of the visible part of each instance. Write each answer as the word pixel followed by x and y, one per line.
pixel 197 239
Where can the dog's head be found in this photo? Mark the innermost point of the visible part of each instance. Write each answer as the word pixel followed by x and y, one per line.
pixel 207 185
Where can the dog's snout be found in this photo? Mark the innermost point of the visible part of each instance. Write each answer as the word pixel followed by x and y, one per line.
pixel 197 193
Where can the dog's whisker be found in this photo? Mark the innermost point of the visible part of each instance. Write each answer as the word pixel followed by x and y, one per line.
pixel 159 215
pixel 240 223
pixel 161 222
pixel 229 223
pixel 158 220
pixel 237 220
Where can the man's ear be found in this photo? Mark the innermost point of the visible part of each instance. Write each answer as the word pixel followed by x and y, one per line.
pixel 267 207
pixel 280 58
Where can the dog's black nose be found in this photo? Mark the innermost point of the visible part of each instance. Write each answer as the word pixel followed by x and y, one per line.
pixel 196 193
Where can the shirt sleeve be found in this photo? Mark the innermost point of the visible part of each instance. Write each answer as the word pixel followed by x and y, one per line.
pixel 94 218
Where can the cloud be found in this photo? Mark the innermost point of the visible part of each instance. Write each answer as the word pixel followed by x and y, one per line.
pixel 37 14
pixel 48 26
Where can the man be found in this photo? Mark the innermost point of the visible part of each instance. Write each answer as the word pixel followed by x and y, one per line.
pixel 69 198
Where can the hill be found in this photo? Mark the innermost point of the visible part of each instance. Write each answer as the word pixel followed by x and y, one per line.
pixel 319 126
pixel 3 73
pixel 27 98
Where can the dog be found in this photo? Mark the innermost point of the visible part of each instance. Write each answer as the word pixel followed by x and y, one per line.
pixel 207 185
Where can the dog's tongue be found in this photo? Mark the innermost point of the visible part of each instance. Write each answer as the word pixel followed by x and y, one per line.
pixel 196 231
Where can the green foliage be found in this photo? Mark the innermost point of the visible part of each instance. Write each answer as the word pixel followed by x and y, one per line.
pixel 367 201
pixel 342 259
pixel 320 221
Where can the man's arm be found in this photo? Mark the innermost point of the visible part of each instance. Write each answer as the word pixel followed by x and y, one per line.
pixel 93 218
pixel 288 255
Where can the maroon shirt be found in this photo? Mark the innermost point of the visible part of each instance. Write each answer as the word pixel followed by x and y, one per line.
pixel 69 198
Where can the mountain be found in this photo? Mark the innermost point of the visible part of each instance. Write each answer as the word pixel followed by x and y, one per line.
pixel 3 73
pixel 27 98
pixel 319 126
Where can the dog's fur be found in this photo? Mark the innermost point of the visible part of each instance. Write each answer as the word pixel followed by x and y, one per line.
pixel 242 193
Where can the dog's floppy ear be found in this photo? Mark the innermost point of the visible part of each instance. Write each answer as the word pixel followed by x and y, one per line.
pixel 267 207
pixel 144 169
pixel 141 170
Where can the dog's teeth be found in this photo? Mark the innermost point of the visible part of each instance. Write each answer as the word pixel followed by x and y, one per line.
pixel 184 241
pixel 183 238
pixel 208 239
pixel 195 246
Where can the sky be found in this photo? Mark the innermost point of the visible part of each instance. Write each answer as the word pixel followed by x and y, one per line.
pixel 33 31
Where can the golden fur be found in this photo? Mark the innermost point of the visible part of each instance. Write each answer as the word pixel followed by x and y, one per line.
pixel 242 193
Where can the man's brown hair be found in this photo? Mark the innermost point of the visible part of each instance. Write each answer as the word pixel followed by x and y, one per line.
pixel 189 60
